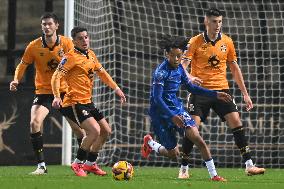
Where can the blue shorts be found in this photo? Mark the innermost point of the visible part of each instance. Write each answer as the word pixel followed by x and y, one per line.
pixel 165 129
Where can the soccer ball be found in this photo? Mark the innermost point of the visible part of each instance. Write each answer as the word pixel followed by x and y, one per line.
pixel 122 170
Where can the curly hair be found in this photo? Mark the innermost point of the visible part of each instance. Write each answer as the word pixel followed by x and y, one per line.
pixel 169 42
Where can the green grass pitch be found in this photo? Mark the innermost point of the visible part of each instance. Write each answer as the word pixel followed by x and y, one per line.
pixel 12 177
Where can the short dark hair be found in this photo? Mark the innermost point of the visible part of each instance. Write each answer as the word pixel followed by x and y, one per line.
pixel 76 30
pixel 213 12
pixel 49 15
pixel 169 42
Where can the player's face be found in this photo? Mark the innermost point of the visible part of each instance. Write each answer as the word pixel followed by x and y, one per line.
pixel 213 24
pixel 82 40
pixel 174 57
pixel 49 27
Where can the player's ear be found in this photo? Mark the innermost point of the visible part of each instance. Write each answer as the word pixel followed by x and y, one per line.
pixel 206 20
pixel 57 25
pixel 167 54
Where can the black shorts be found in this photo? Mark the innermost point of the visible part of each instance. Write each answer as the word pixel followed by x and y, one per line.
pixel 45 100
pixel 201 105
pixel 80 112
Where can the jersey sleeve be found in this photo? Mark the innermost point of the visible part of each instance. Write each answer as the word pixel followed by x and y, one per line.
pixel 232 57
pixel 191 48
pixel 158 98
pixel 66 64
pixel 28 57
pixel 159 77
pixel 69 44
pixel 102 73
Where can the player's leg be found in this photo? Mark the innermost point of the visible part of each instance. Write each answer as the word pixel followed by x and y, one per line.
pixel 193 134
pixel 39 111
pixel 38 114
pixel 81 114
pixel 228 112
pixel 234 122
pixel 168 143
pixel 198 106
pixel 90 164
pixel 92 129
pixel 79 132
pixel 165 148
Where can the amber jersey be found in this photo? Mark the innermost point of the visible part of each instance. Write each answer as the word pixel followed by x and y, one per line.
pixel 209 59
pixel 45 60
pixel 79 69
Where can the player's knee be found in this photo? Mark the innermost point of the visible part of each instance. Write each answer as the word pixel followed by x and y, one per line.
pixel 79 132
pixel 200 143
pixel 173 154
pixel 106 132
pixel 93 131
pixel 35 124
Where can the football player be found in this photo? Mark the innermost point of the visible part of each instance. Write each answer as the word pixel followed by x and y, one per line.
pixel 167 113
pixel 208 55
pixel 45 53
pixel 79 67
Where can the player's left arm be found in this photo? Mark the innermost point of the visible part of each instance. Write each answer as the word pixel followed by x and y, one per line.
pixel 238 76
pixel 106 79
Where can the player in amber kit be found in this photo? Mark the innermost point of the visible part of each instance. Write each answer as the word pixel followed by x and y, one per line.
pixel 45 53
pixel 208 55
pixel 79 67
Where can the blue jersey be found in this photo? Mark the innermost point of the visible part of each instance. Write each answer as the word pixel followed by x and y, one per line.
pixel 166 83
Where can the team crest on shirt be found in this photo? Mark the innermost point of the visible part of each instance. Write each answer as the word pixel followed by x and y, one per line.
pixel 63 61
pixel 61 53
pixel 204 47
pixel 52 64
pixel 223 48
pixel 214 61
pixel 160 75
pixel 91 73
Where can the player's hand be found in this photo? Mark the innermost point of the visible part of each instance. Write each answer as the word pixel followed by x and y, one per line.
pixel 57 102
pixel 13 85
pixel 178 121
pixel 248 102
pixel 196 81
pixel 119 92
pixel 224 96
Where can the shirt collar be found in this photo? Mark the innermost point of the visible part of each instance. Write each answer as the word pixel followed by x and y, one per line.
pixel 44 44
pixel 207 40
pixel 85 53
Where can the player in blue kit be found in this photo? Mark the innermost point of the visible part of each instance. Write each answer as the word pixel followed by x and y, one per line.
pixel 167 113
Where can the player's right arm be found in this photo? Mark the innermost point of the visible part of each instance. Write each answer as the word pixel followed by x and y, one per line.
pixel 59 73
pixel 21 68
pixel 157 94
pixel 186 61
pixel 158 88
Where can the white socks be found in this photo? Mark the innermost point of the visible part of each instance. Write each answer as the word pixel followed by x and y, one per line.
pixel 184 167
pixel 41 164
pixel 249 163
pixel 154 145
pixel 77 161
pixel 211 168
pixel 89 163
